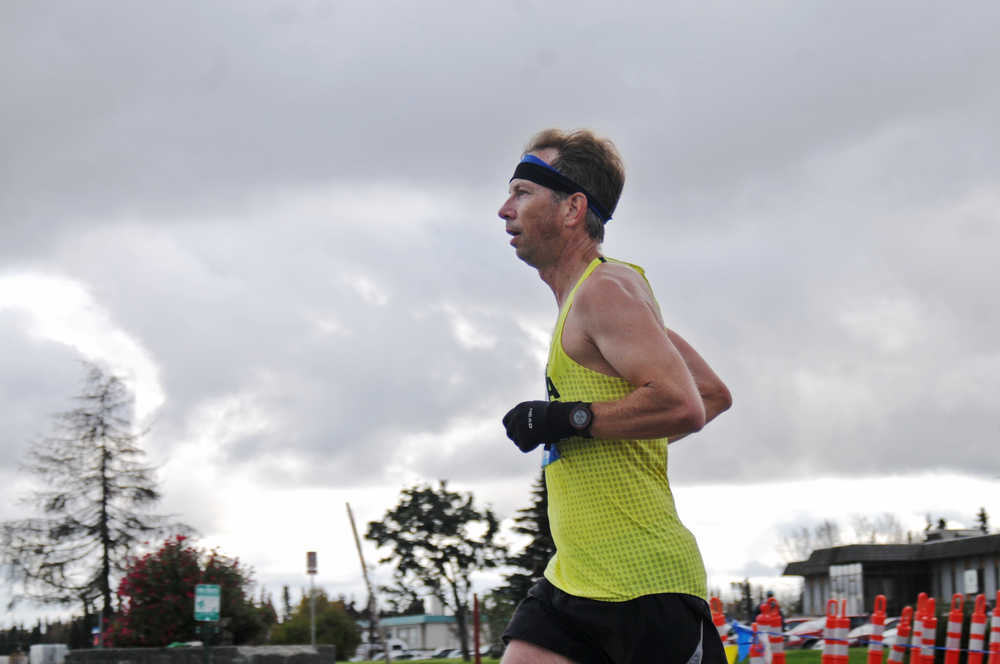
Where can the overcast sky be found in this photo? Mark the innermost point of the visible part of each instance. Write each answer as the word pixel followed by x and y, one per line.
pixel 277 221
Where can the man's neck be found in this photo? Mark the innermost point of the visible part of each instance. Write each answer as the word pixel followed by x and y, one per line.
pixel 562 275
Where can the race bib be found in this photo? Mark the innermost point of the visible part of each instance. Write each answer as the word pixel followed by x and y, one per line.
pixel 550 454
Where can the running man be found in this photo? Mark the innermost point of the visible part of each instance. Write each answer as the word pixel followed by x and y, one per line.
pixel 627 583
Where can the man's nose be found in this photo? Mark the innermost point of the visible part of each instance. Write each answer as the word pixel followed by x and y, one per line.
pixel 505 212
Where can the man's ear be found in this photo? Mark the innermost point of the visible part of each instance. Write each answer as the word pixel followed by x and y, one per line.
pixel 576 209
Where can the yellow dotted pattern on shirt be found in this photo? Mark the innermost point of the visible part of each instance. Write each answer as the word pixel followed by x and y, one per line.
pixel 612 514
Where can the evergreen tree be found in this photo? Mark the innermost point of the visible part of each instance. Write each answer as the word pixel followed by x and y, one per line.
pixel 436 545
pixel 983 519
pixel 286 603
pixel 532 521
pixel 94 500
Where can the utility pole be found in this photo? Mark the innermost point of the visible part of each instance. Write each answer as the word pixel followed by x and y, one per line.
pixel 371 594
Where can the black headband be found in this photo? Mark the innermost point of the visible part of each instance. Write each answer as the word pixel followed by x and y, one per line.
pixel 535 170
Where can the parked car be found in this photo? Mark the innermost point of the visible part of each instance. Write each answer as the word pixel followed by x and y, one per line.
pixel 808 633
pixel 367 651
pixel 792 623
pixel 805 634
pixel 889 636
pixel 859 636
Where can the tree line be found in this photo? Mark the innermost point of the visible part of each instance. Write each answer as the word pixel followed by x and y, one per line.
pixel 798 542
pixel 18 638
pixel 90 547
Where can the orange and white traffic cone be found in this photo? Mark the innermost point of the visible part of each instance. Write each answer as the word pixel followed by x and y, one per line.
pixel 756 648
pixel 977 631
pixel 878 626
pixel 929 633
pixel 829 634
pixel 953 638
pixel 902 641
pixel 995 633
pixel 719 618
pixel 843 627
pixel 774 636
pixel 917 641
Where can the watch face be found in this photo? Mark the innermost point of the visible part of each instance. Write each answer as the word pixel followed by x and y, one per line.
pixel 579 417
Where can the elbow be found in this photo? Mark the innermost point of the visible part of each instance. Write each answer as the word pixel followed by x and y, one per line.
pixel 724 398
pixel 693 417
pixel 717 400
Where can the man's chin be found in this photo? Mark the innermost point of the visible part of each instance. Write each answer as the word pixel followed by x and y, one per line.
pixel 524 255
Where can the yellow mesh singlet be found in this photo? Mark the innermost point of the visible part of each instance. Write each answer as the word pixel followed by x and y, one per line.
pixel 613 519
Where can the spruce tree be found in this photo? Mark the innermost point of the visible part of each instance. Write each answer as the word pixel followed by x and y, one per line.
pixel 93 502
pixel 532 521
pixel 983 519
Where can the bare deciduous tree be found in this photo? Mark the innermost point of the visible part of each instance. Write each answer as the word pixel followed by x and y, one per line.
pixel 798 543
pixel 882 529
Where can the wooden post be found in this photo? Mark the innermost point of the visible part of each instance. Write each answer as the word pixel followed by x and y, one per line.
pixel 372 609
pixel 475 628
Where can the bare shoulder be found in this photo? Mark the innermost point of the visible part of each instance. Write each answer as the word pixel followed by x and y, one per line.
pixel 614 287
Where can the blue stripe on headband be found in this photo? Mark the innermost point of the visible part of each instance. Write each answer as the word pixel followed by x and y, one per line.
pixel 532 159
pixel 553 179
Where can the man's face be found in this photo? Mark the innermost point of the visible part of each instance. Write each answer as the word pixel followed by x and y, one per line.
pixel 530 216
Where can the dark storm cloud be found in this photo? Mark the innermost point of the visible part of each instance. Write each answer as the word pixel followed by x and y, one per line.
pixel 119 108
pixel 811 188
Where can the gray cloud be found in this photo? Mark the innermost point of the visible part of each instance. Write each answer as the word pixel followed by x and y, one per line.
pixel 292 209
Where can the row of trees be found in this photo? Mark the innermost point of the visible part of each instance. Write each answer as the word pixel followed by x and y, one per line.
pixel 89 546
pixel 437 538
pixel 798 542
pixel 95 519
pixel 19 638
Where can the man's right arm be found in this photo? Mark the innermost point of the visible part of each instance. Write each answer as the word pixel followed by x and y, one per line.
pixel 714 393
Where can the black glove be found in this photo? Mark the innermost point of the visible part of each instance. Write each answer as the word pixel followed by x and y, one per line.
pixel 531 423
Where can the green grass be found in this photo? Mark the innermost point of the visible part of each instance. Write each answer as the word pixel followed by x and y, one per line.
pixel 485 660
pixel 855 655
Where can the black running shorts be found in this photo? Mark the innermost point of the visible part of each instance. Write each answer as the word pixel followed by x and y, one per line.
pixel 668 628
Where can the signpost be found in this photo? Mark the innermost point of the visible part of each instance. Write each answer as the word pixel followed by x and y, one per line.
pixel 207 601
pixel 207 606
pixel 311 571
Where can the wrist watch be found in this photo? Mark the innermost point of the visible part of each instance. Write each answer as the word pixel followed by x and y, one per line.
pixel 580 418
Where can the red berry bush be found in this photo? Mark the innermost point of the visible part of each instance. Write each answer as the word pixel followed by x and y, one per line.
pixel 156 597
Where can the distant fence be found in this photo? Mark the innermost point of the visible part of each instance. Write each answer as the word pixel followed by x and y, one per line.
pixel 196 655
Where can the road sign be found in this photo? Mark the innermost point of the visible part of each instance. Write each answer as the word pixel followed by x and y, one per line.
pixel 971 581
pixel 207 600
pixel 310 562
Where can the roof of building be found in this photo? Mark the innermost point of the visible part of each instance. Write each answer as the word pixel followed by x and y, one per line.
pixel 820 560
pixel 397 621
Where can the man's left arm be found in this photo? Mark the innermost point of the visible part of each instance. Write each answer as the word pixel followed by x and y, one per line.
pixel 622 321
pixel 675 394
pixel 715 396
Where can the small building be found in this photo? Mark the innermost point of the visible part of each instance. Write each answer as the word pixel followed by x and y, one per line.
pixel 946 562
pixel 47 653
pixel 420 632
